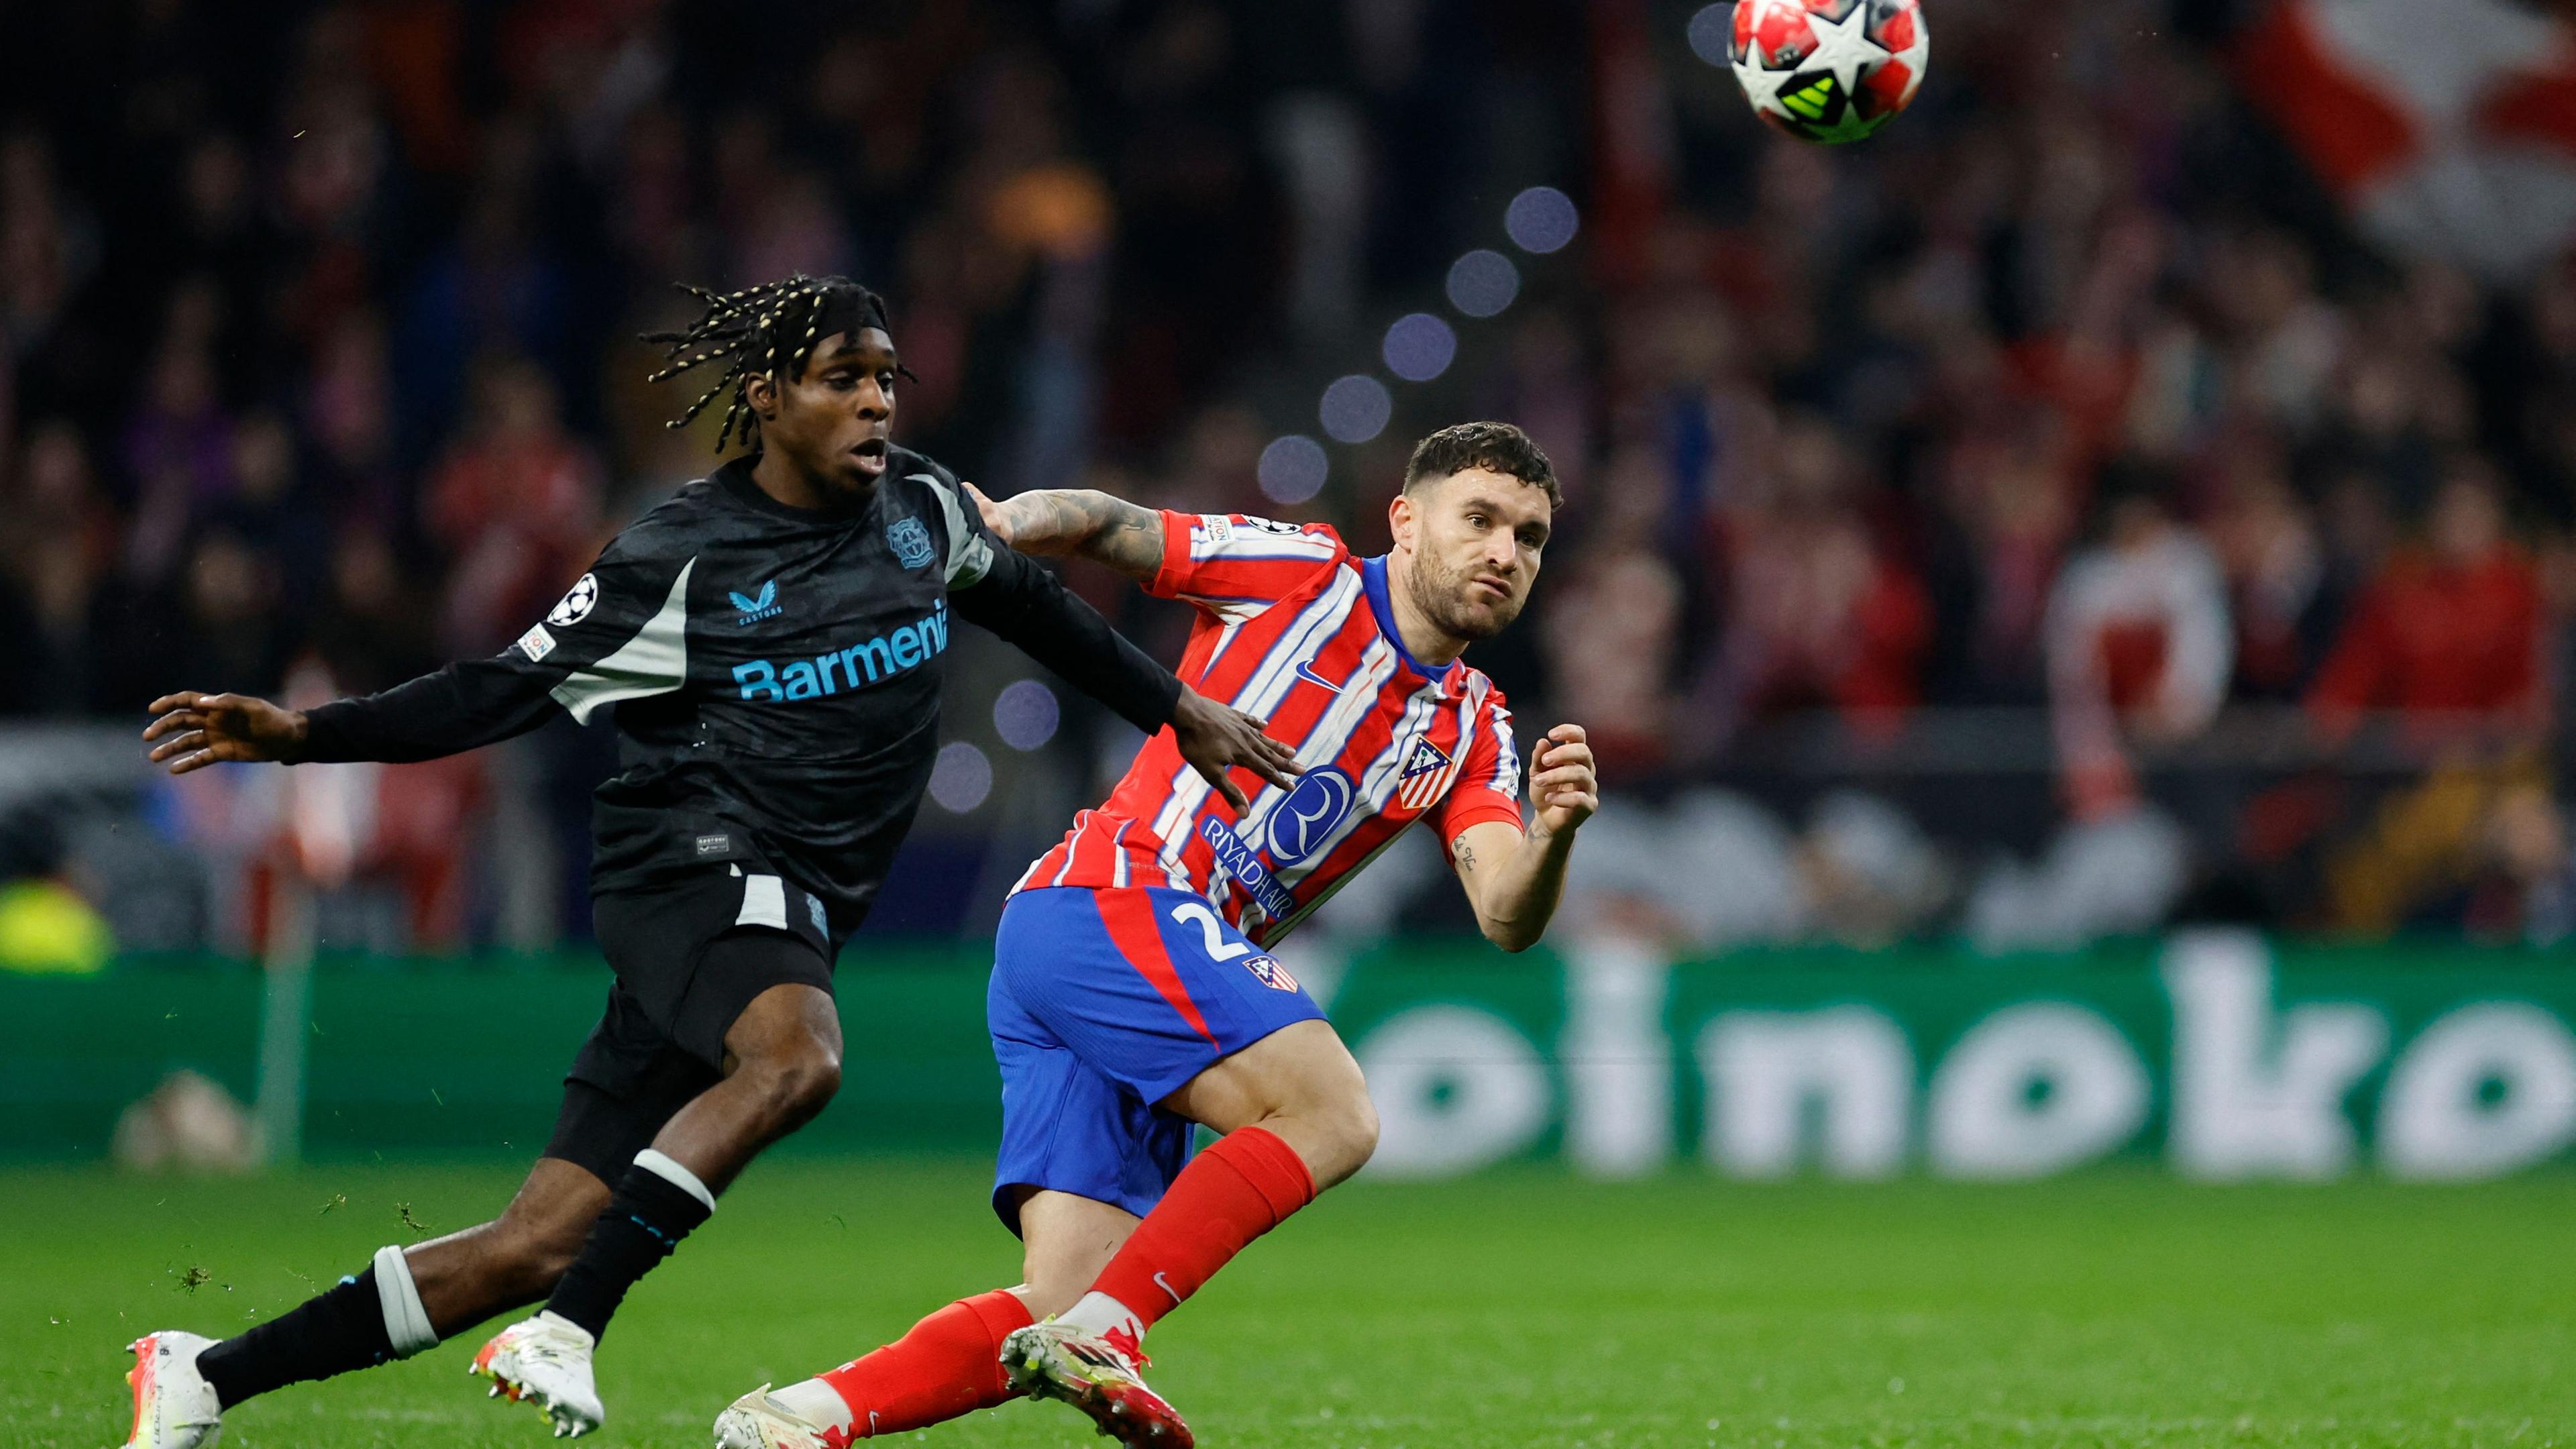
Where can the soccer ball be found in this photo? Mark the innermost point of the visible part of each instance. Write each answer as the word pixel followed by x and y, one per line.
pixel 1830 70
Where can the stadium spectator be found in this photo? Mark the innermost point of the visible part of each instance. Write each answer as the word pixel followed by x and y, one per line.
pixel 2451 635
pixel 1610 642
pixel 515 505
pixel 370 629
pixel 62 541
pixel 2139 642
pixel 2008 499
pixel 1819 615
pixel 1613 636
pixel 2269 545
pixel 232 627
pixel 2450 630
pixel 49 247
pixel 178 444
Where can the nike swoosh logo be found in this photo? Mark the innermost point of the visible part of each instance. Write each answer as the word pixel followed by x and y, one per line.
pixel 1166 1287
pixel 1306 672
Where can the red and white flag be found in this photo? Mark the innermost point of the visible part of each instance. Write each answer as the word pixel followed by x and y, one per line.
pixel 2448 126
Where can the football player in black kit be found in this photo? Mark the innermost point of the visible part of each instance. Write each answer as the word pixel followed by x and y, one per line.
pixel 771 635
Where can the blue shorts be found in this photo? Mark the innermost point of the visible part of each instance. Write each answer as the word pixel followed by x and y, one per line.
pixel 1103 1003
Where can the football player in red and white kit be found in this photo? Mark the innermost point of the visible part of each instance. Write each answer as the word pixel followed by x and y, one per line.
pixel 1133 995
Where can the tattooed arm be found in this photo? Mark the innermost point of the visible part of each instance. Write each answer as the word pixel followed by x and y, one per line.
pixel 1081 521
pixel 1515 875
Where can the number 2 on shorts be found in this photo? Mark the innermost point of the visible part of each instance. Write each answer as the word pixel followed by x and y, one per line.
pixel 1218 947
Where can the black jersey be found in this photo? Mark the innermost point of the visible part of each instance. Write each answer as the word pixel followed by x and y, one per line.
pixel 776 673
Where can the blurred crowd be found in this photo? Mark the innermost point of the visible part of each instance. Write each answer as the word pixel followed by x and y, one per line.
pixel 2071 394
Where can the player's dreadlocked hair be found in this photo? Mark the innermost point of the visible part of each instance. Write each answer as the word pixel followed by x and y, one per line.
pixel 767 329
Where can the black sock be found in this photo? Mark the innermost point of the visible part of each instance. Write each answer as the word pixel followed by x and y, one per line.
pixel 644 1222
pixel 340 1330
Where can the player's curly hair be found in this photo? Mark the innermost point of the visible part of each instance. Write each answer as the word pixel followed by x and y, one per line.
pixel 1497 447
pixel 768 329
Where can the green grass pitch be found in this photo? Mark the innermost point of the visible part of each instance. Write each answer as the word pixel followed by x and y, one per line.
pixel 1527 1308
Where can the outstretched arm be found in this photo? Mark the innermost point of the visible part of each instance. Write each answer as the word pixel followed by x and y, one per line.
pixel 1028 606
pixel 1514 877
pixel 1085 521
pixel 621 633
pixel 468 704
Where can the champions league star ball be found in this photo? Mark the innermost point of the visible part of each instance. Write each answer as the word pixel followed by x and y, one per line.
pixel 1830 70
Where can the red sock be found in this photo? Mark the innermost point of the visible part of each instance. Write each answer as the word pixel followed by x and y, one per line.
pixel 949 1364
pixel 1243 1186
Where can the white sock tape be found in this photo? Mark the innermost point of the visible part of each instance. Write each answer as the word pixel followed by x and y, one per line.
pixel 406 1322
pixel 663 1167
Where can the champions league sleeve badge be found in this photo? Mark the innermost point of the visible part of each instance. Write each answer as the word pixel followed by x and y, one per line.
pixel 575 605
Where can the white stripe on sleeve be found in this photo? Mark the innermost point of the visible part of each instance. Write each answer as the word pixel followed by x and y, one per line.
pixel 969 556
pixel 655 661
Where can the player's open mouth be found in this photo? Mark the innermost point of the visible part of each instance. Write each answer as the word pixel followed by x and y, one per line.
pixel 872 454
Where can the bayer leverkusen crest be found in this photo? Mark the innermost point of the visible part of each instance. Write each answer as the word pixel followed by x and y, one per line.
pixel 910 540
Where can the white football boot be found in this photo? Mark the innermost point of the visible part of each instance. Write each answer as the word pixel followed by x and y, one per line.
pixel 757 1421
pixel 1102 1375
pixel 174 1406
pixel 545 1361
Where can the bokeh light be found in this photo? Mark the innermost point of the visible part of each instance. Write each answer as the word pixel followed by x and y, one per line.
pixel 1356 408
pixel 1025 714
pixel 961 778
pixel 1419 347
pixel 1712 34
pixel 1541 219
pixel 1483 282
pixel 1293 469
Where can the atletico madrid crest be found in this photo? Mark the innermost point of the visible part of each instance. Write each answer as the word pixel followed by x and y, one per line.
pixel 1426 772
pixel 1270 973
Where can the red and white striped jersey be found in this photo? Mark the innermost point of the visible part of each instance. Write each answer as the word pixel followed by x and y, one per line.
pixel 1297 630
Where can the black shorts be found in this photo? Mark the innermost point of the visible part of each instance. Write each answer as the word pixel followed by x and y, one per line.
pixel 689 958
